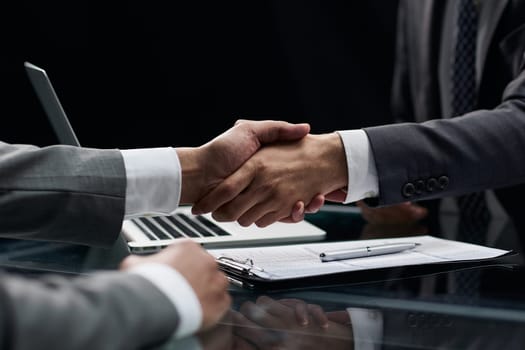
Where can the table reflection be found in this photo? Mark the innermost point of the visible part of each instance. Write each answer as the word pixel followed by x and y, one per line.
pixel 425 307
pixel 421 308
pixel 292 323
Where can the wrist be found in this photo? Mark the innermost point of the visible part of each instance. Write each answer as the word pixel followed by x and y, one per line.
pixel 192 173
pixel 334 156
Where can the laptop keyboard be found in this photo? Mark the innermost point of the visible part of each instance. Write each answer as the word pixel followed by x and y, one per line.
pixel 178 226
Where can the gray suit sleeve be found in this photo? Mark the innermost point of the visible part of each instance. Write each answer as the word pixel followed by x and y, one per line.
pixel 61 193
pixel 448 157
pixel 109 310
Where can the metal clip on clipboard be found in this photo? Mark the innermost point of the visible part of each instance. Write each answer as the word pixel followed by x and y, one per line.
pixel 246 267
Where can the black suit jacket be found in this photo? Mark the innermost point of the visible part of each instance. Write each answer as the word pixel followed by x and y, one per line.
pixel 445 157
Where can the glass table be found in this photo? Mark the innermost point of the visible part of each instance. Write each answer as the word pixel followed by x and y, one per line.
pixel 481 307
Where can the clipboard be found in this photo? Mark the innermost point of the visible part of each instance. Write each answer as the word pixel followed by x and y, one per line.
pixel 260 267
pixel 246 280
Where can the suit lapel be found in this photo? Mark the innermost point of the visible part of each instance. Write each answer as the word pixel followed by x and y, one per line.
pixel 491 11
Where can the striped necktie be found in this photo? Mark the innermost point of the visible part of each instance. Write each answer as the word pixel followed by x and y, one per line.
pixel 472 206
pixel 473 210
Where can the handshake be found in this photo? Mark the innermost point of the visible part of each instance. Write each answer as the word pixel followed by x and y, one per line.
pixel 262 172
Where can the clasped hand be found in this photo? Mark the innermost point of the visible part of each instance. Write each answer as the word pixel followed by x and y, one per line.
pixel 268 323
pixel 266 171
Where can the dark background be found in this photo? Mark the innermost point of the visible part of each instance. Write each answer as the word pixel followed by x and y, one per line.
pixel 141 74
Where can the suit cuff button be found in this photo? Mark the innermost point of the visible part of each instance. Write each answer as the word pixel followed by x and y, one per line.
pixel 443 182
pixel 432 183
pixel 420 186
pixel 408 190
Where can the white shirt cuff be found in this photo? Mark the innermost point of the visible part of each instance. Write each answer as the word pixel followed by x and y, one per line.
pixel 362 171
pixel 153 181
pixel 178 290
pixel 367 327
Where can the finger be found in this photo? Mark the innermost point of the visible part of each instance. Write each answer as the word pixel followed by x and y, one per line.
pixel 298 212
pixel 274 307
pixel 318 315
pixel 301 314
pixel 380 215
pixel 419 212
pixel 315 204
pixel 412 212
pixel 300 309
pixel 269 218
pixel 401 213
pixel 260 316
pixel 336 196
pixel 341 317
pixel 262 214
pixel 296 215
pixel 253 333
pixel 290 302
pixel 402 204
pixel 236 209
pixel 286 220
pixel 227 190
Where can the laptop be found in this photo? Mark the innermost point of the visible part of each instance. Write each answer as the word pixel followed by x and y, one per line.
pixel 150 234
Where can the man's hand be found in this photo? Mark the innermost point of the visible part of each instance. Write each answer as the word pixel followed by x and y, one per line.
pixel 264 189
pixel 221 337
pixel 200 270
pixel 223 155
pixel 290 324
pixel 399 214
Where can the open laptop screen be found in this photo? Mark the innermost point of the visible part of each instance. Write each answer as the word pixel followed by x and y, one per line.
pixel 148 234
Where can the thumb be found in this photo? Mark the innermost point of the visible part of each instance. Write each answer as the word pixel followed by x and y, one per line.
pixel 340 317
pixel 268 131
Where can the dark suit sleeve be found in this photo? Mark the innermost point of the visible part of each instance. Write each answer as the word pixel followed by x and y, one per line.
pixel 61 193
pixel 110 310
pixel 447 157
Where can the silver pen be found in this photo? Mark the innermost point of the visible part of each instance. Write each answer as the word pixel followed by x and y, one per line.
pixel 362 252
